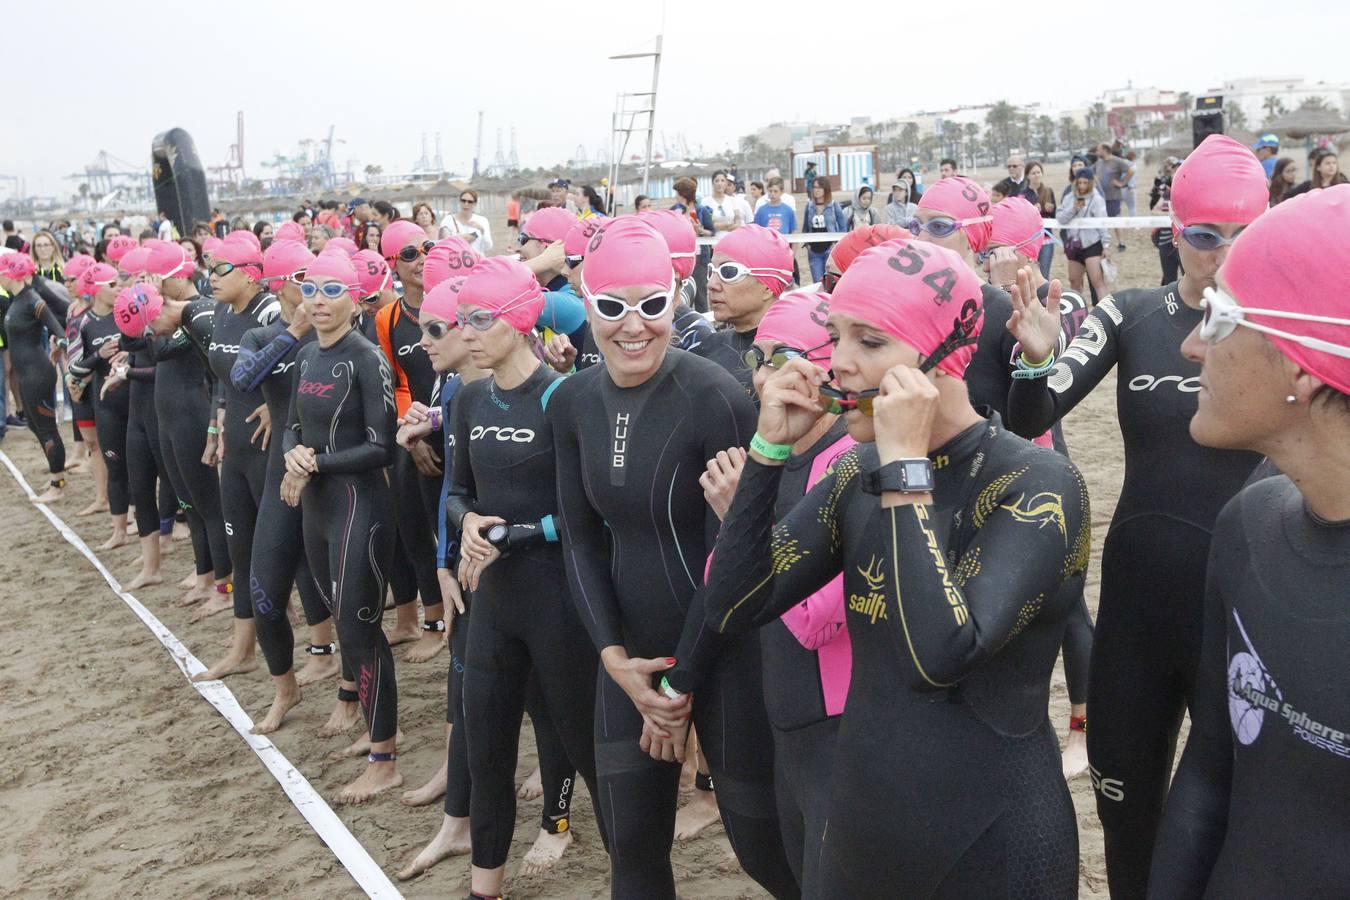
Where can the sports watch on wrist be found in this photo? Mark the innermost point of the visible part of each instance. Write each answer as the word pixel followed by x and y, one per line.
pixel 910 476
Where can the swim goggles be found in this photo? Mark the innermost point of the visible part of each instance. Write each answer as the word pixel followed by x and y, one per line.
pixel 1222 314
pixel 330 289
pixel 942 227
pixel 755 357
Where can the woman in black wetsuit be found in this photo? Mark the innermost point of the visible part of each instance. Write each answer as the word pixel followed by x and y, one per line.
pixel 81 406
pixel 632 437
pixel 954 537
pixel 1148 632
pixel 1258 807
pixel 28 322
pixel 338 440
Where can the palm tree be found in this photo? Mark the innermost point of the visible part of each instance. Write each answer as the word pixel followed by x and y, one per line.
pixel 909 136
pixel 1044 134
pixel 1069 133
pixel 1273 106
pixel 1313 102
pixel 1000 119
pixel 1237 118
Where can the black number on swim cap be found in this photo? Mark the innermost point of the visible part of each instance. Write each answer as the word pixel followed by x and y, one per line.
pixel 906 261
pixel 595 241
pixel 942 282
pixel 452 261
pixel 372 268
pixel 970 314
pixel 467 258
pixel 983 207
pixel 819 314
pixel 970 193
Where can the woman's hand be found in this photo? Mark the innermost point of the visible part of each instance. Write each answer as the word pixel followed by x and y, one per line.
pixel 471 570
pixel 472 541
pixel 664 744
pixel 903 414
pixel 560 354
pixel 292 486
pixel 426 460
pixel 263 416
pixel 634 676
pixel 789 404
pixel 1035 324
pixel 414 426
pixel 720 480
pixel 1003 266
pixel 110 348
pixel 451 596
pixel 300 461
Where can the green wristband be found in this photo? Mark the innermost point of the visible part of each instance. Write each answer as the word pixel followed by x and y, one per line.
pixel 767 450
pixel 211 429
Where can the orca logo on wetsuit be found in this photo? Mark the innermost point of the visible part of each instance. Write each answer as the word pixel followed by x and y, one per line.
pixel 315 388
pixel 283 367
pixel 514 435
pixel 407 349
pixel 224 348
pixel 1149 383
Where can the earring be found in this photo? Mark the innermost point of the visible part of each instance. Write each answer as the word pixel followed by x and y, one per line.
pixel 1291 399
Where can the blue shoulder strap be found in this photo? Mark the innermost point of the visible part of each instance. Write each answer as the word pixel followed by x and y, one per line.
pixel 548 392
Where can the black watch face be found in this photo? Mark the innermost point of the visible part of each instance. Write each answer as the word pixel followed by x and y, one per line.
pixel 916 473
pixel 496 533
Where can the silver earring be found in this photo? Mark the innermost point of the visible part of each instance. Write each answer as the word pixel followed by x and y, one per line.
pixel 1291 399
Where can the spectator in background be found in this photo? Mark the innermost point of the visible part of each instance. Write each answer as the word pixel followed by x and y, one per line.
pixel 774 213
pixel 729 211
pixel 1324 171
pixel 915 191
pixel 1266 148
pixel 1160 200
pixel 150 234
pixel 12 239
pixel 1131 184
pixel 809 176
pixel 513 217
pixel 756 195
pixel 822 216
pixel 1017 174
pixel 358 213
pixel 319 236
pixel 468 224
pixel 385 212
pixel 1039 195
pixel 46 253
pixel 589 203
pixel 368 236
pixel 787 198
pixel 328 215
pixel 1112 174
pixel 1084 247
pixel 900 209
pixel 1001 191
pixel 700 217
pixel 946 168
pixel 1284 176
pixel 218 224
pixel 200 232
pixel 302 219
pixel 559 189
pixel 863 213
pixel 424 217
pixel 166 230
pixel 261 230
pixel 642 203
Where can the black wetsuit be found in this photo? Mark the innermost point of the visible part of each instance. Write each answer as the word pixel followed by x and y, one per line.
pixel 342 408
pixel 727 347
pixel 523 615
pixel 1259 805
pixel 148 479
pixel 947 778
pixel 28 319
pixel 636 535
pixel 110 410
pixel 458 788
pixel 186 409
pixel 82 409
pixel 1147 640
pixel 267 361
pixel 244 470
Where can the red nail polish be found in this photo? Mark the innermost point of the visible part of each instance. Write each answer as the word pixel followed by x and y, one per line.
pixel 670 660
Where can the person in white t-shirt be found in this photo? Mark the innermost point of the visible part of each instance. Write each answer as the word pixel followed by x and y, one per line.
pixel 468 224
pixel 729 210
pixel 165 227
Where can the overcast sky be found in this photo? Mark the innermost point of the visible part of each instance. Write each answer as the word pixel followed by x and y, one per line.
pixel 95 77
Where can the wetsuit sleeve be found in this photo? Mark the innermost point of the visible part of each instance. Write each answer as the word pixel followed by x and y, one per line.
pixel 447 538
pixel 463 496
pixel 84 364
pixel 585 551
pixel 1034 404
pixel 256 360
pixel 43 312
pixel 1196 818
pixel 291 434
pixel 376 384
pixel 761 570
pixel 55 297
pixel 1032 533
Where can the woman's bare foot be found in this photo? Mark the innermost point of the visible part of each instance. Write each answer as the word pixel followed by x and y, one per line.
pixel 451 840
pixel 547 850
pixel 215 603
pixel 50 495
pixel 533 788
pixel 1075 758
pixel 189 582
pixel 119 537
pixel 240 658
pixel 165 544
pixel 288 695
pixel 181 532
pixel 319 667
pixel 428 793
pixel 425 647
pixel 696 815
pixel 145 579
pixel 343 717
pixel 375 780
pixel 406 627
pixel 95 506
pixel 360 747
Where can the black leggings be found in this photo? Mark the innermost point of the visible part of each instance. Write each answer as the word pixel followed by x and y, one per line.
pixel 242 476
pixel 638 794
pixel 37 390
pixel 1077 648
pixel 182 438
pixel 278 563
pixel 803 772
pixel 417 500
pixel 1144 659
pixel 349 541
pixel 523 619
pixel 146 471
pixel 110 421
pixel 1170 261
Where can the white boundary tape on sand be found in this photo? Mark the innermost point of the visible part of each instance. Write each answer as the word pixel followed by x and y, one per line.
pixel 320 816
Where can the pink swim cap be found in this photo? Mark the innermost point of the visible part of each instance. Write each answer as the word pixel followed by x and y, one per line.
pixel 247 236
pixel 398 235
pixel 1221 182
pixel 210 246
pixel 797 319
pixel 763 250
pixel 337 266
pixel 282 260
pixel 679 234
pixel 18 266
pixel 443 300
pixel 118 247
pixel 450 257
pixel 580 234
pixel 345 244
pixel 169 260
pixel 627 252
pixel 135 308
pixel 133 261
pixel 959 197
pixel 76 265
pixel 549 224
pixel 923 294
pixel 858 240
pixel 503 285
pixel 97 276
pixel 1292 260
pixel 242 254
pixel 1018 224
pixel 288 231
pixel 372 272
